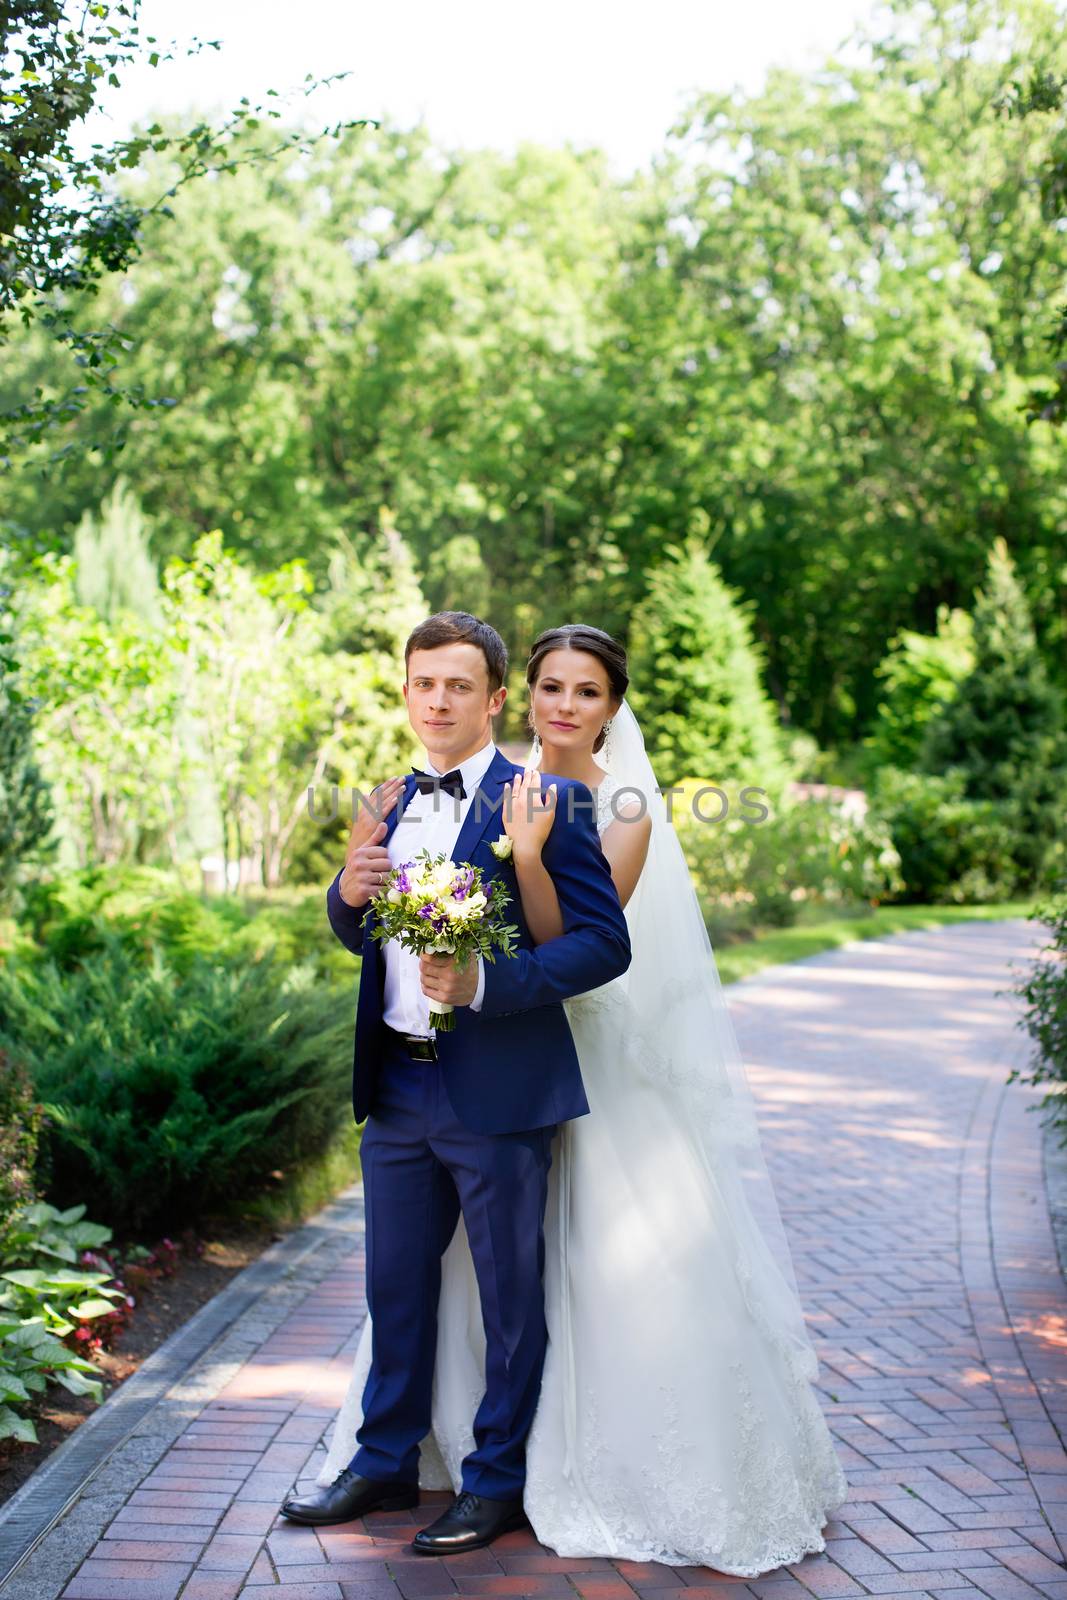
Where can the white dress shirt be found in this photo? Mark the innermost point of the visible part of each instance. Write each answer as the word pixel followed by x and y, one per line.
pixel 431 822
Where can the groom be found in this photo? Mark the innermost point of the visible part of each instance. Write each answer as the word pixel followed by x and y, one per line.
pixel 462 1123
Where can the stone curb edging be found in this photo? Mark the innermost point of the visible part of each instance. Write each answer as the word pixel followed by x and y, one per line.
pixel 139 1420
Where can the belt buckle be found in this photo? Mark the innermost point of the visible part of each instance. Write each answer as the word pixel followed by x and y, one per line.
pixel 420 1049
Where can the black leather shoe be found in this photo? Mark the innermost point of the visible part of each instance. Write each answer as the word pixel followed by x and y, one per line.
pixel 469 1522
pixel 350 1496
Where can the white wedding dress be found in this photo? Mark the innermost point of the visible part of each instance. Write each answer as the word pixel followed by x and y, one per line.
pixel 677 1421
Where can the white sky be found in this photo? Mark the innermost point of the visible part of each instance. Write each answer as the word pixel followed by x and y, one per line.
pixel 613 73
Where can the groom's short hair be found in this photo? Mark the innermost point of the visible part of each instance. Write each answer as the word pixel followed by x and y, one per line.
pixel 448 627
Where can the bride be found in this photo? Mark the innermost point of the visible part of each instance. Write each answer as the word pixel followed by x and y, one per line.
pixel 677 1421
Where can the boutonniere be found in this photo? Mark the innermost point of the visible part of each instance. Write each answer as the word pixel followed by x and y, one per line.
pixel 501 847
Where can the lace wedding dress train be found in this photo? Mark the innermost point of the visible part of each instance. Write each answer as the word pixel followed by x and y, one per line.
pixel 677 1421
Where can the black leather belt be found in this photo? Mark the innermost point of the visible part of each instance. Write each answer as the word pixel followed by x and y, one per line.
pixel 413 1044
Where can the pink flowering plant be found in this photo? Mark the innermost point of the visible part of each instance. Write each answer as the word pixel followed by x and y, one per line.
pixel 439 906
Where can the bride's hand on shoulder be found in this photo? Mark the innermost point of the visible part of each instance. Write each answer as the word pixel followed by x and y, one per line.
pixel 529 816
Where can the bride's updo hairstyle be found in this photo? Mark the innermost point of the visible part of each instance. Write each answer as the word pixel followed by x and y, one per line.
pixel 578 636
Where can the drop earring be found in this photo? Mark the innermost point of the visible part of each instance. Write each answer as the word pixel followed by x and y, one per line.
pixel 606 747
pixel 537 746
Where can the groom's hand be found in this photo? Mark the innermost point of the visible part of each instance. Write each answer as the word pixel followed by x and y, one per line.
pixel 366 868
pixel 442 979
pixel 366 858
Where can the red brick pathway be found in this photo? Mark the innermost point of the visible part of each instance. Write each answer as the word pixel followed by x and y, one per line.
pixel 909 1177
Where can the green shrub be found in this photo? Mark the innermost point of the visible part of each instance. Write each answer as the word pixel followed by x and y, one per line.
pixel 178 1090
pixel 1003 731
pixel 20 1124
pixel 29 1357
pixel 71 916
pixel 39 1251
pixel 25 799
pixel 68 917
pixel 919 674
pixel 1044 993
pixel 763 873
pixel 696 674
pixel 40 1235
pixel 953 851
pixel 40 1278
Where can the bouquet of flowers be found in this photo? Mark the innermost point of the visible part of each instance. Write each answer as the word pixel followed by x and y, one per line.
pixel 441 906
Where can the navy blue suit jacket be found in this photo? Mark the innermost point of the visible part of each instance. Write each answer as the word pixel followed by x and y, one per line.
pixel 511 1065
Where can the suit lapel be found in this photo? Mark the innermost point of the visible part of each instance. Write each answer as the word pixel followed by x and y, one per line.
pixel 485 807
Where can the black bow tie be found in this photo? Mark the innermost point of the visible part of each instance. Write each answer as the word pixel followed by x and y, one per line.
pixel 451 782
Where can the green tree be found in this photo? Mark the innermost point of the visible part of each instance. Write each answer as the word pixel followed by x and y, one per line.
pixel 66 221
pixel 114 568
pixel 801 338
pixel 920 673
pixel 695 675
pixel 873 275
pixel 1004 728
pixel 26 815
pixel 456 577
pixel 247 651
pixel 107 699
pixel 373 597
pixel 1046 94
pixel 285 694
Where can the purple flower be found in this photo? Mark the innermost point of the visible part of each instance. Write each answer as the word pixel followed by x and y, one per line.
pixel 403 882
pixel 426 911
pixel 463 883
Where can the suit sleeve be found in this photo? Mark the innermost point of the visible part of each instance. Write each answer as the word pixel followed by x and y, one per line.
pixel 594 946
pixel 345 920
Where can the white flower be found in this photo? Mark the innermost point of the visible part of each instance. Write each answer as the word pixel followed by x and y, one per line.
pixel 501 847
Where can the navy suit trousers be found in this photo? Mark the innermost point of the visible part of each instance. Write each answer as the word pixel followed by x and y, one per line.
pixel 422 1168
